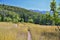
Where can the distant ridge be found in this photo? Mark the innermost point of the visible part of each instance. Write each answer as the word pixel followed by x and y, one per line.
pixel 42 12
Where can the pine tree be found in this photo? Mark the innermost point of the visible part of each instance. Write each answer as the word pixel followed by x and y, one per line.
pixel 53 8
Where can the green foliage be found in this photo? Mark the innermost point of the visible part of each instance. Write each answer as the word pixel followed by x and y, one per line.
pixel 53 6
pixel 22 20
pixel 16 14
pixel 16 18
pixel 7 19
pixel 30 20
pixel 48 19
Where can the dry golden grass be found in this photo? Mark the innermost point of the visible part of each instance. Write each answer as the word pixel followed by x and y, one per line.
pixel 9 31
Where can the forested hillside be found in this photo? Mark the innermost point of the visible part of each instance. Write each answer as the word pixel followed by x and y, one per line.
pixel 17 14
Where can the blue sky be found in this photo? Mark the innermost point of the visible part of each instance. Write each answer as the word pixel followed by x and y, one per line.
pixel 30 4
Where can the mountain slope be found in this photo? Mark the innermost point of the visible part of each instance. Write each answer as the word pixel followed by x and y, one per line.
pixel 24 14
pixel 14 9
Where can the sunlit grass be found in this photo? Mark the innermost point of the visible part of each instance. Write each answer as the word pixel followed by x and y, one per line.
pixel 9 31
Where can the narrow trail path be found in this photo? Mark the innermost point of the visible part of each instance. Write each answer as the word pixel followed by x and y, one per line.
pixel 29 36
pixel 29 33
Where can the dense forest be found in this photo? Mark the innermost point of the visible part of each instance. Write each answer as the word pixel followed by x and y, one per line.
pixel 17 14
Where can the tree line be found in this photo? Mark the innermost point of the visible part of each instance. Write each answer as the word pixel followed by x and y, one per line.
pixel 17 14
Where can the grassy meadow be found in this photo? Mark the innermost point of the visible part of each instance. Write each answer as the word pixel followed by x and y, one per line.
pixel 9 31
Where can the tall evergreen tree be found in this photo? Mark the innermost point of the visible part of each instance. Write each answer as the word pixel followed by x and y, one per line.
pixel 53 8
